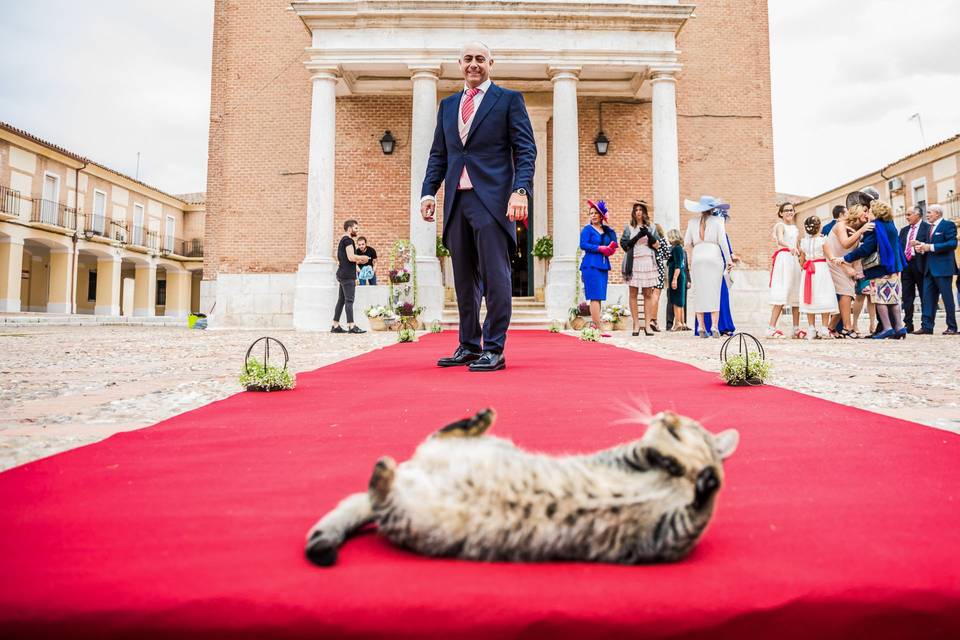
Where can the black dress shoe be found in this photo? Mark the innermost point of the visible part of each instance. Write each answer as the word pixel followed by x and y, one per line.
pixel 489 361
pixel 950 332
pixel 923 332
pixel 460 357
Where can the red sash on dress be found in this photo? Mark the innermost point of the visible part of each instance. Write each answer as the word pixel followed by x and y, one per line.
pixel 810 267
pixel 773 262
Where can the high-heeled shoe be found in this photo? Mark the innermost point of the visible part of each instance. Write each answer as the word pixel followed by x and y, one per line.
pixel 636 333
pixel 883 335
pixel 900 334
pixel 647 331
pixel 653 326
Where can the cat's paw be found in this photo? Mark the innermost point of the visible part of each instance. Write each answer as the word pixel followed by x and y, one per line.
pixel 706 486
pixel 321 550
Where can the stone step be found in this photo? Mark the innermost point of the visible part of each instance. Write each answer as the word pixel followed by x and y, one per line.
pixel 58 319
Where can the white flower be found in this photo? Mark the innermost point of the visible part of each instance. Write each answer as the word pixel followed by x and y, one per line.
pixel 606 318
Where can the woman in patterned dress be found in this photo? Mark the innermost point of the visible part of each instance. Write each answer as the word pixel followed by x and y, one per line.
pixel 641 241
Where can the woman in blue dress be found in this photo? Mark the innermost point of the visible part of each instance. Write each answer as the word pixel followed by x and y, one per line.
pixel 598 242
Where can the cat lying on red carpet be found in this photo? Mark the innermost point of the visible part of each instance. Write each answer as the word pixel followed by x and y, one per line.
pixel 469 495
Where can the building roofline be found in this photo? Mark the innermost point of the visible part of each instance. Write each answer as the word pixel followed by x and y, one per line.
pixel 75 156
pixel 882 169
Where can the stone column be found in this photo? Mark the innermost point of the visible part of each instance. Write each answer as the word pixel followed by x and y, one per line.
pixel 316 289
pixel 178 293
pixel 423 234
pixel 666 160
pixel 11 265
pixel 108 286
pixel 145 290
pixel 539 119
pixel 61 279
pixel 561 279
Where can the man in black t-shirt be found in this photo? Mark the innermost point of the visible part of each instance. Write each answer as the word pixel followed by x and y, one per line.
pixel 347 260
pixel 367 273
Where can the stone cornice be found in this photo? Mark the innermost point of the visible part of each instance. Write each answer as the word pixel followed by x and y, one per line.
pixel 626 15
pixel 635 59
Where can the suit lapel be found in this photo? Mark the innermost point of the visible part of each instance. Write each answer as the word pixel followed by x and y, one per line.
pixel 452 119
pixel 485 106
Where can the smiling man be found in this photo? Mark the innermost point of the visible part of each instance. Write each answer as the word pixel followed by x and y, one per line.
pixel 484 153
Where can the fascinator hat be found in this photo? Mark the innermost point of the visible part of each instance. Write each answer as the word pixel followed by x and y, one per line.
pixel 600 206
pixel 707 203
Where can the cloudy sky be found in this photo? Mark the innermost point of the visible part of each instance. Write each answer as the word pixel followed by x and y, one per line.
pixel 110 78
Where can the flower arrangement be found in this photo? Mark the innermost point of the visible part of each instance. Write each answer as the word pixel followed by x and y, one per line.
pixel 377 311
pixel 543 248
pixel 740 370
pixel 617 311
pixel 399 276
pixel 556 326
pixel 436 327
pixel 590 334
pixel 442 251
pixel 406 334
pixel 260 377
pixel 407 310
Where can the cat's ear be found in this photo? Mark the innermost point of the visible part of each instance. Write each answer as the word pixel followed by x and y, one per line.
pixel 726 442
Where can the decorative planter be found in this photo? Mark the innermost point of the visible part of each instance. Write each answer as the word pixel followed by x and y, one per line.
pixel 377 324
pixel 752 382
pixel 578 323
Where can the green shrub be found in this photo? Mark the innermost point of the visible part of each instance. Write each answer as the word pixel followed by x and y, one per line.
pixel 257 377
pixel 734 370
pixel 543 248
pixel 442 251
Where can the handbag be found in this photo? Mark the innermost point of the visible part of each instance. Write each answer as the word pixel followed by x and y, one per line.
pixel 872 260
pixel 366 272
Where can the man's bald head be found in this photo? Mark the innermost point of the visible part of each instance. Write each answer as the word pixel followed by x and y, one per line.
pixel 475 63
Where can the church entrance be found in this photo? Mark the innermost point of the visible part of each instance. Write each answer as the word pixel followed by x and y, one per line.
pixel 522 262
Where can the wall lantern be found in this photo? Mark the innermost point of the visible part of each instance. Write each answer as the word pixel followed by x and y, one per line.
pixel 89 233
pixel 387 142
pixel 602 144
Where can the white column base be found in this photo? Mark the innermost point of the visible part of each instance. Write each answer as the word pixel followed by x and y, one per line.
pixel 144 313
pixel 58 307
pixel 561 287
pixel 11 305
pixel 315 296
pixel 107 310
pixel 175 313
pixel 430 290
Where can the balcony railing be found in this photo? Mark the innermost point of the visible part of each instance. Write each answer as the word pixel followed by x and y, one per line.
pixel 180 247
pixel 53 213
pixel 96 225
pixel 143 237
pixel 9 201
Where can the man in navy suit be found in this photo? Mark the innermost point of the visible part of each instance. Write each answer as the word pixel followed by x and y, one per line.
pixel 912 275
pixel 484 153
pixel 939 271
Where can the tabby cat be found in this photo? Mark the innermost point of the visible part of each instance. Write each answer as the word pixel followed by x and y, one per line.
pixel 468 495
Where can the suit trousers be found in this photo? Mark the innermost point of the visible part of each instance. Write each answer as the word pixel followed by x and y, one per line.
pixel 480 252
pixel 933 288
pixel 912 280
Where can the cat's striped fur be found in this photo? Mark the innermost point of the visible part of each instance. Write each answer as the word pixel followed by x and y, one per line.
pixel 469 495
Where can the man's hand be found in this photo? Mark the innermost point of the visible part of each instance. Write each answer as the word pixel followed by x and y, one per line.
pixel 517 208
pixel 427 209
pixel 362 259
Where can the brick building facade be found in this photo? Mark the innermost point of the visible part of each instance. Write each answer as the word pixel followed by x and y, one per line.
pixel 268 58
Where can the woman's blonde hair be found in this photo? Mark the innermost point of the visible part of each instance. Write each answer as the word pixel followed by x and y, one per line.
pixel 852 217
pixel 881 211
pixel 674 237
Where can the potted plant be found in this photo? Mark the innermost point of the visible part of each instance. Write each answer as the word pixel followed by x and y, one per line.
pixel 615 314
pixel 579 315
pixel 406 334
pixel 556 326
pixel 408 314
pixel 542 250
pixel 745 370
pixel 257 376
pixel 399 276
pixel 377 315
pixel 590 334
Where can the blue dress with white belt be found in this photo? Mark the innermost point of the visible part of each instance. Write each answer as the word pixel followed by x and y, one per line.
pixel 595 267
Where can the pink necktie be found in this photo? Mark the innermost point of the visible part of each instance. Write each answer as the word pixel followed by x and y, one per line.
pixel 466 109
pixel 911 238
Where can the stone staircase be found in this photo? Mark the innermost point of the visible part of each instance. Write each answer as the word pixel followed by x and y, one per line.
pixel 528 313
pixel 33 319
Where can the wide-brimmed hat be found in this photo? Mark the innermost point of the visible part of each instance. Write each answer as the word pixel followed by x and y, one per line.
pixel 600 206
pixel 706 203
pixel 864 197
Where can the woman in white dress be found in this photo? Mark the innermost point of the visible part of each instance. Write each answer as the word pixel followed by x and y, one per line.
pixel 785 272
pixel 706 243
pixel 818 295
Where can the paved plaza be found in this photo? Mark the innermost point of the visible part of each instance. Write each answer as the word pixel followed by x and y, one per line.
pixel 63 387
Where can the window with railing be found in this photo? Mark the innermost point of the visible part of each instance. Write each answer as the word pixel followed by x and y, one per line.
pixel 53 214
pixel 9 201
pixel 99 218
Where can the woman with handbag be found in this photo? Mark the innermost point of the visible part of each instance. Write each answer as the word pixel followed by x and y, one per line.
pixel 640 241
pixel 882 261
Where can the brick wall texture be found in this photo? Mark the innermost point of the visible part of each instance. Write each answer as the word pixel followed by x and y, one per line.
pixel 259 131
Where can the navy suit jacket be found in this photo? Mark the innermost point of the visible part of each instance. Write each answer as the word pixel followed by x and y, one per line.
pixel 923 235
pixel 499 154
pixel 942 261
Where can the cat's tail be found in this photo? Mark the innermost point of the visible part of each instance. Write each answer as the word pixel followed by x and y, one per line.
pixel 325 537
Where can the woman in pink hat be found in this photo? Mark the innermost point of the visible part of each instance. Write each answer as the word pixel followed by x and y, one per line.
pixel 598 242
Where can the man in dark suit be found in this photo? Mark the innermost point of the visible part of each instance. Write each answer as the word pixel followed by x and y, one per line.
pixel 939 271
pixel 484 152
pixel 912 276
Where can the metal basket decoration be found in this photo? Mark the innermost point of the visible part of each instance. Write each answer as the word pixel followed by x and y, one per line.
pixel 263 376
pixel 750 351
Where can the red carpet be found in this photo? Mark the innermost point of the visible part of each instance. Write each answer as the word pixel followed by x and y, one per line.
pixel 835 523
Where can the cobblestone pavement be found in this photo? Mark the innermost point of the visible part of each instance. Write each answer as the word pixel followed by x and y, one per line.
pixel 63 387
